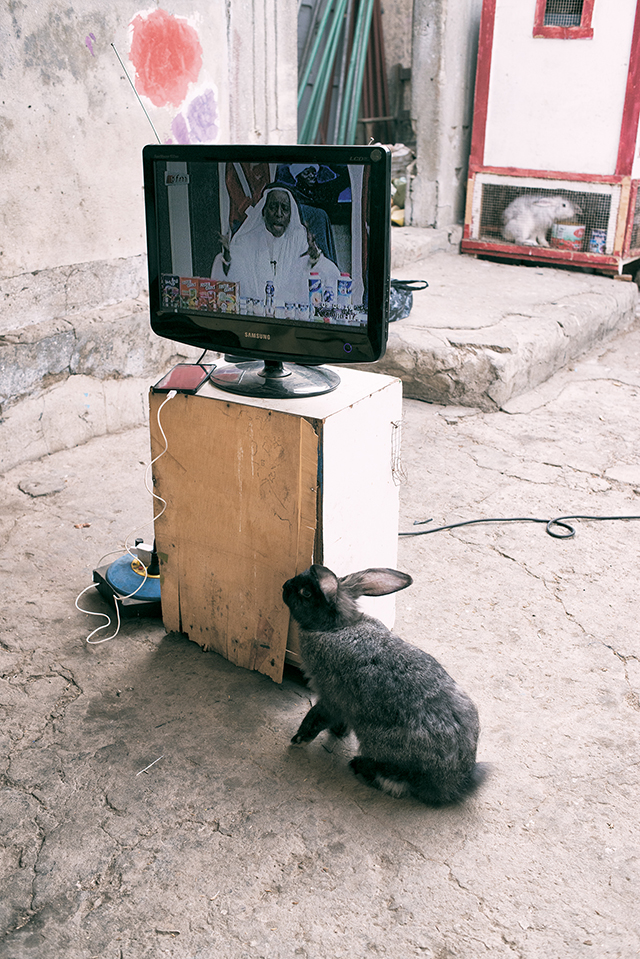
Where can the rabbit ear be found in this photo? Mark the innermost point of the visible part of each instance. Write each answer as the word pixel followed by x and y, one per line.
pixel 327 581
pixel 546 202
pixel 375 582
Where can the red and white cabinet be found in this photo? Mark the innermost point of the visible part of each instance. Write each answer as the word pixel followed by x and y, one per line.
pixel 554 169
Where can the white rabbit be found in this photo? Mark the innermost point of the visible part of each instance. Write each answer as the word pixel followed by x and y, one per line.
pixel 417 730
pixel 528 219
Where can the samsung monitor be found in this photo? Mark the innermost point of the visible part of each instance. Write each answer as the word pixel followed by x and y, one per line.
pixel 276 256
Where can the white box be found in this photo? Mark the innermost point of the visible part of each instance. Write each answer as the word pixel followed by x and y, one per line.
pixel 256 491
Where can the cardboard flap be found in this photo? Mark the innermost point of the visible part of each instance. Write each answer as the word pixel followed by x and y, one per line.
pixel 240 484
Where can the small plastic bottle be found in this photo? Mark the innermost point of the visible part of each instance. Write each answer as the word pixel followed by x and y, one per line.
pixel 345 286
pixel 269 290
pixel 315 293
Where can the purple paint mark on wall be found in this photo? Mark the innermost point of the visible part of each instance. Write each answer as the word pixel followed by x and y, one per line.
pixel 180 129
pixel 202 116
pixel 89 41
pixel 198 123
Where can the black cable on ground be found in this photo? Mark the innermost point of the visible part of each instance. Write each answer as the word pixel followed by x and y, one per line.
pixel 558 528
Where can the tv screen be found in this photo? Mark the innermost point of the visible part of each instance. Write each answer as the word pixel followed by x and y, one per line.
pixel 277 255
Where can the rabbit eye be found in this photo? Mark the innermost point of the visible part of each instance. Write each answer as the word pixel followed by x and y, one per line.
pixel 305 592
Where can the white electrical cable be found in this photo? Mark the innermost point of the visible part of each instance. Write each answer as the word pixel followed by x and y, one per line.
pixel 118 599
pixel 91 612
pixel 147 472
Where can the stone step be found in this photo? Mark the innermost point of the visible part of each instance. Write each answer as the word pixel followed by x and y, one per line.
pixel 485 332
pixel 480 335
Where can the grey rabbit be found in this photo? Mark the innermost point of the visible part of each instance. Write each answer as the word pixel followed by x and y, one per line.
pixel 528 219
pixel 417 730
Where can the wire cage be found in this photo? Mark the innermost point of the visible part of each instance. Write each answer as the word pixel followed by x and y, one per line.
pixel 634 233
pixel 560 215
pixel 548 219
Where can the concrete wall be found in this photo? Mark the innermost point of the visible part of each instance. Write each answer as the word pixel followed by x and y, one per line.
pixel 72 241
pixel 73 132
pixel 73 333
pixel 445 45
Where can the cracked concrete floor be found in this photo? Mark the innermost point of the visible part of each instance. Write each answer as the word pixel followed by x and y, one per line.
pixel 232 845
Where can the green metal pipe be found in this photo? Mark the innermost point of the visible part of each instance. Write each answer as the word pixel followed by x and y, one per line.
pixel 316 11
pixel 327 72
pixel 323 79
pixel 354 106
pixel 349 86
pixel 305 77
pixel 343 71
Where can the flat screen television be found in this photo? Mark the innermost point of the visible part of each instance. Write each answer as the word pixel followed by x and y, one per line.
pixel 276 256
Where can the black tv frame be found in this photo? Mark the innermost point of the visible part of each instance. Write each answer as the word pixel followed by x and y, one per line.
pixel 269 339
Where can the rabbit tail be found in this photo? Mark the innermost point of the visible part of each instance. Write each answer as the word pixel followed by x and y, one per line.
pixel 397 782
pixel 435 794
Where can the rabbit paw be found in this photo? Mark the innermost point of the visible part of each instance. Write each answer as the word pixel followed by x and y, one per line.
pixel 299 740
pixel 313 723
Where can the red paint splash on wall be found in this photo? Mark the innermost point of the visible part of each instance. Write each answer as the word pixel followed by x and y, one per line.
pixel 167 55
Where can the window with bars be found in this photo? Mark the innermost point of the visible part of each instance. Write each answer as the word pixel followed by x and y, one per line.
pixel 563 13
pixel 564 19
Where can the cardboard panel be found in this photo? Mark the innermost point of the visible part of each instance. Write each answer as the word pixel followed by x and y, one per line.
pixel 240 483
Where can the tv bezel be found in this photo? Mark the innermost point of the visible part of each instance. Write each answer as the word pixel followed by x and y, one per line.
pixel 266 338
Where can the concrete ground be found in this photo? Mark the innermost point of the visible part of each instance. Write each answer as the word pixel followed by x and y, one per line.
pixel 151 805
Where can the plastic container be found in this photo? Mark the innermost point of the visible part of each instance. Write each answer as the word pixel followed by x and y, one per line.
pixel 315 293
